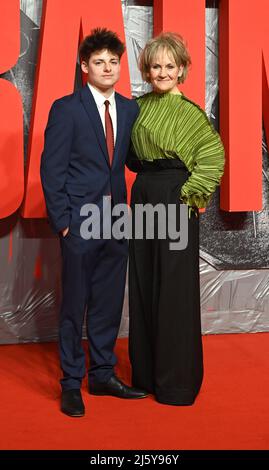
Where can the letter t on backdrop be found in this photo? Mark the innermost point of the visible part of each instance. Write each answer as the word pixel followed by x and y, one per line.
pixel 186 18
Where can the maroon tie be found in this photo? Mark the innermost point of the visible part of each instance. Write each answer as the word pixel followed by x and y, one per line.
pixel 109 133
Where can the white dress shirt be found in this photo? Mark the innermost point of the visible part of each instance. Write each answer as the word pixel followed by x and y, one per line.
pixel 100 100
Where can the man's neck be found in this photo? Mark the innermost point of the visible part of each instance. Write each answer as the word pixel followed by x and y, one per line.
pixel 106 92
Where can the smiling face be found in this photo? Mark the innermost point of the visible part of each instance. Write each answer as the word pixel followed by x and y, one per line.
pixel 103 70
pixel 164 72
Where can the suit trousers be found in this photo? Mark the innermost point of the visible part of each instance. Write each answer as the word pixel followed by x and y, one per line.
pixel 165 342
pixel 93 284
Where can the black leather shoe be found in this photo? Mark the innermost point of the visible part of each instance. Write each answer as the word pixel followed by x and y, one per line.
pixel 116 388
pixel 72 403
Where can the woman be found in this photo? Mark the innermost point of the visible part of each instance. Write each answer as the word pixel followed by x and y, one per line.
pixel 179 159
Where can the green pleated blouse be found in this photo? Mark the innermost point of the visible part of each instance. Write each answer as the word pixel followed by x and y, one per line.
pixel 172 126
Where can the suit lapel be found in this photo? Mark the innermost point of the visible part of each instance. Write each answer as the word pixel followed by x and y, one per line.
pixel 121 119
pixel 94 116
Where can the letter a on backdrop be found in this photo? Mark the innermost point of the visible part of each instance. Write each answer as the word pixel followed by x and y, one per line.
pixel 64 24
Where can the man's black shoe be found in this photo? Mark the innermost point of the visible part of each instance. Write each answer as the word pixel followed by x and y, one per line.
pixel 72 403
pixel 116 388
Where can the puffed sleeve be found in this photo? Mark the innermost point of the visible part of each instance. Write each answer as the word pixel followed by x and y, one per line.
pixel 208 164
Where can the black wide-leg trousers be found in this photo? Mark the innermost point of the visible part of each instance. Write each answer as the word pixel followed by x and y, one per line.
pixel 165 343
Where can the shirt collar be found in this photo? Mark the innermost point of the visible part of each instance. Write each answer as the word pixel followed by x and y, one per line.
pixel 99 98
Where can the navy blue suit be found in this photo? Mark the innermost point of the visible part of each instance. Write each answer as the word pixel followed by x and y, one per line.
pixel 75 170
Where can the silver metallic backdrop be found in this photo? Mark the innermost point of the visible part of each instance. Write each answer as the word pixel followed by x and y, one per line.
pixel 234 247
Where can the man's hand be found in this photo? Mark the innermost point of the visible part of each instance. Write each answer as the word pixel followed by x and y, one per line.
pixel 65 231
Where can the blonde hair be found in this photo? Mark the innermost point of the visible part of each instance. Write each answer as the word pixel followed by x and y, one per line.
pixel 174 44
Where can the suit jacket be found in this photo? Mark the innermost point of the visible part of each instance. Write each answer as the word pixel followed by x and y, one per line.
pixel 75 167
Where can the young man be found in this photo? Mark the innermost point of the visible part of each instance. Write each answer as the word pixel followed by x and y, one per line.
pixel 86 143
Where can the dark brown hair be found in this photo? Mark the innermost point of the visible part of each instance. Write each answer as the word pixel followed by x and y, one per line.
pixel 99 39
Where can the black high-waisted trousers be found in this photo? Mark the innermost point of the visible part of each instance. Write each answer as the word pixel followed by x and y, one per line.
pixel 165 343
